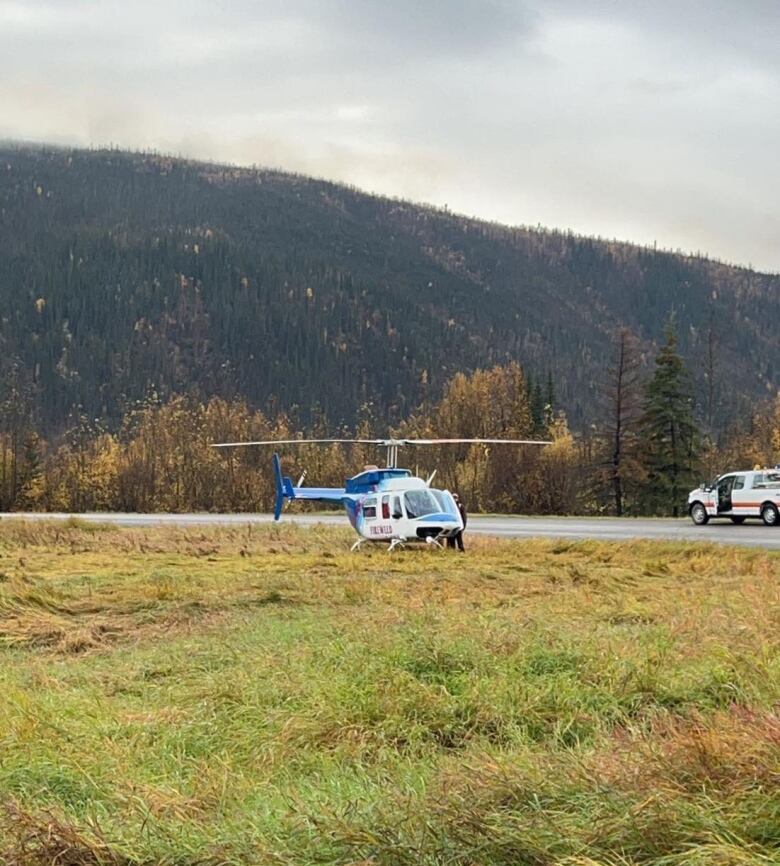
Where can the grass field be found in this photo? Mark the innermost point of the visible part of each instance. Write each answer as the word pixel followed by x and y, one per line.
pixel 261 696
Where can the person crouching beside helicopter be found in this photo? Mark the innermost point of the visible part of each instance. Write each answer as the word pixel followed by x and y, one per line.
pixel 457 539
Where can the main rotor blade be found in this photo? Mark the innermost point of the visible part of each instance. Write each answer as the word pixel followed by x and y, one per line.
pixel 298 442
pixel 476 441
pixel 383 442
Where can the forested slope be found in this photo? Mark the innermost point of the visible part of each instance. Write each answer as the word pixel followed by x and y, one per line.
pixel 122 272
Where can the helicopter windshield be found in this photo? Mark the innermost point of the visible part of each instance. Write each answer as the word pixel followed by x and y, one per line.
pixel 446 502
pixel 419 503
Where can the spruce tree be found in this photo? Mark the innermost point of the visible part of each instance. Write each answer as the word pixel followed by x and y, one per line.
pixel 537 408
pixel 549 403
pixel 621 398
pixel 669 434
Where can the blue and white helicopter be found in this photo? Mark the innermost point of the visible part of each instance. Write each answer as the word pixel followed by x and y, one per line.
pixel 388 506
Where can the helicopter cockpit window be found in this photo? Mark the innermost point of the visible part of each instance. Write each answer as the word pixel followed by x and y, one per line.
pixel 446 502
pixel 419 503
pixel 369 509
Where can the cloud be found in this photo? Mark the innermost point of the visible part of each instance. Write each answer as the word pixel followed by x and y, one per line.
pixel 432 28
pixel 18 17
pixel 642 121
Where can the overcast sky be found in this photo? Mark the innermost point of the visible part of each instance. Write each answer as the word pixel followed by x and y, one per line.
pixel 645 121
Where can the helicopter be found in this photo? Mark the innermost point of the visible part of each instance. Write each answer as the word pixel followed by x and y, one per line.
pixel 384 505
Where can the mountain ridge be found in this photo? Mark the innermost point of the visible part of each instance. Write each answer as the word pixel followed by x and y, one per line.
pixel 250 170
pixel 124 271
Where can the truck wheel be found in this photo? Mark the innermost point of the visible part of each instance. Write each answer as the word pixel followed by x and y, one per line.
pixel 738 520
pixel 769 514
pixel 699 514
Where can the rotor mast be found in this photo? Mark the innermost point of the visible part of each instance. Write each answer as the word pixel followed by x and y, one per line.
pixel 392 454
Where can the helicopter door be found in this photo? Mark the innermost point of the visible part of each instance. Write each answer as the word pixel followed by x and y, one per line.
pixel 386 525
pixel 376 512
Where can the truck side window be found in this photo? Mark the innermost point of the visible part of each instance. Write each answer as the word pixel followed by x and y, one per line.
pixel 739 483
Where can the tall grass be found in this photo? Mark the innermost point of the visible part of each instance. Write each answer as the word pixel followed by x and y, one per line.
pixel 259 695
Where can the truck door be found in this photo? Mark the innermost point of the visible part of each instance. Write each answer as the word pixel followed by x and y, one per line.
pixel 725 486
pixel 740 497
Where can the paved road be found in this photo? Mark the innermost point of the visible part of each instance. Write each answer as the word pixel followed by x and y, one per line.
pixel 753 534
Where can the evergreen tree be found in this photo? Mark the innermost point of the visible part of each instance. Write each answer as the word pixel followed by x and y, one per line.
pixel 550 396
pixel 669 432
pixel 537 409
pixel 31 470
pixel 622 399
pixel 17 407
pixel 549 403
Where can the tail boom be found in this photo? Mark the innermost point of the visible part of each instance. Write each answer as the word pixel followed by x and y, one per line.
pixel 285 490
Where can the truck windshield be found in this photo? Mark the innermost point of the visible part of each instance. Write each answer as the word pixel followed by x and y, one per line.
pixel 419 503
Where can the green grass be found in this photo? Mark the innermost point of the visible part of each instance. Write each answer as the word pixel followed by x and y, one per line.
pixel 261 696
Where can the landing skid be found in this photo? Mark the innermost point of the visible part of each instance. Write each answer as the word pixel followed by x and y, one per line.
pixel 394 543
pixel 361 541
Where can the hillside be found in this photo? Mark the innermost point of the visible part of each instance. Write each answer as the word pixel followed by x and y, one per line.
pixel 125 272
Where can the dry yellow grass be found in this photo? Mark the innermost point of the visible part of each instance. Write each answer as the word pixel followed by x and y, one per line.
pixel 261 695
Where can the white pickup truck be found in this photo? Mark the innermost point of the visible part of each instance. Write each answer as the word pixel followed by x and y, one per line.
pixel 738 495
